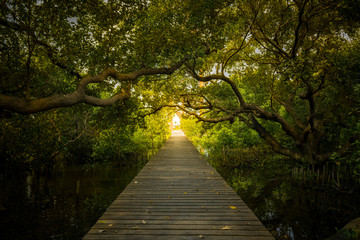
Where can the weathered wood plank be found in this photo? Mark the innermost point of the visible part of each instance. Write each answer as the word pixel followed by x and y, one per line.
pixel 178 195
pixel 167 237
pixel 214 226
pixel 143 231
pixel 167 210
pixel 145 216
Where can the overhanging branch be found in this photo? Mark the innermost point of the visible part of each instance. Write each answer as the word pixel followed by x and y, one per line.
pixel 21 105
pixel 209 120
pixel 218 77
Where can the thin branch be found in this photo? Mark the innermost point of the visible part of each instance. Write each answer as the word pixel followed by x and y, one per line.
pixel 219 77
pixel 209 120
pixel 154 111
pixel 241 45
pixel 49 49
pixel 270 42
pixel 70 141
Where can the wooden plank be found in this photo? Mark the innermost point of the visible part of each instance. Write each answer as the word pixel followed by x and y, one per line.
pixel 163 222
pixel 210 232
pixel 145 216
pixel 161 209
pixel 172 237
pixel 178 195
pixel 176 226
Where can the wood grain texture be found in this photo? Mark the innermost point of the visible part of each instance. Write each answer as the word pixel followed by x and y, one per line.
pixel 178 195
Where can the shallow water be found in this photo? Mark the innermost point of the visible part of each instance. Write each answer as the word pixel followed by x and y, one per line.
pixel 64 206
pixel 290 210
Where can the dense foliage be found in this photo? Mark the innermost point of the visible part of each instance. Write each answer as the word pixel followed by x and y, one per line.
pixel 232 145
pixel 288 70
pixel 46 141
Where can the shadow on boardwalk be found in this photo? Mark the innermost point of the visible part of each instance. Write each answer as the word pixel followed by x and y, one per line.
pixel 179 196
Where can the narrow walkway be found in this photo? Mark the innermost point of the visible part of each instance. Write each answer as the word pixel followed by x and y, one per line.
pixel 178 196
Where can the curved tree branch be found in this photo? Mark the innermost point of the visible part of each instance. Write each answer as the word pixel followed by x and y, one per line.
pixel 219 77
pixel 20 105
pixel 230 117
pixel 255 109
pixel 26 106
pixel 276 146
pixel 251 122
pixel 298 38
pixel 262 113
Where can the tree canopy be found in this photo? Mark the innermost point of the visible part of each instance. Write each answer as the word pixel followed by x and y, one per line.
pixel 288 69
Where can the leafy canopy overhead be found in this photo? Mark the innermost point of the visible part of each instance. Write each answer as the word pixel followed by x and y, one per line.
pixel 287 69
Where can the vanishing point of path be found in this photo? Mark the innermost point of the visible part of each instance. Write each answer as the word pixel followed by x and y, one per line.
pixel 178 196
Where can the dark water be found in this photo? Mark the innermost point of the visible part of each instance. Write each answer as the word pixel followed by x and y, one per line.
pixel 61 207
pixel 67 205
pixel 291 210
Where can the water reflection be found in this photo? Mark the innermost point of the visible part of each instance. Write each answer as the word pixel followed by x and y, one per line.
pixel 289 210
pixel 60 207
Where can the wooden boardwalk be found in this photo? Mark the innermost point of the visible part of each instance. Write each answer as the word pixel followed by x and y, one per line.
pixel 178 196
